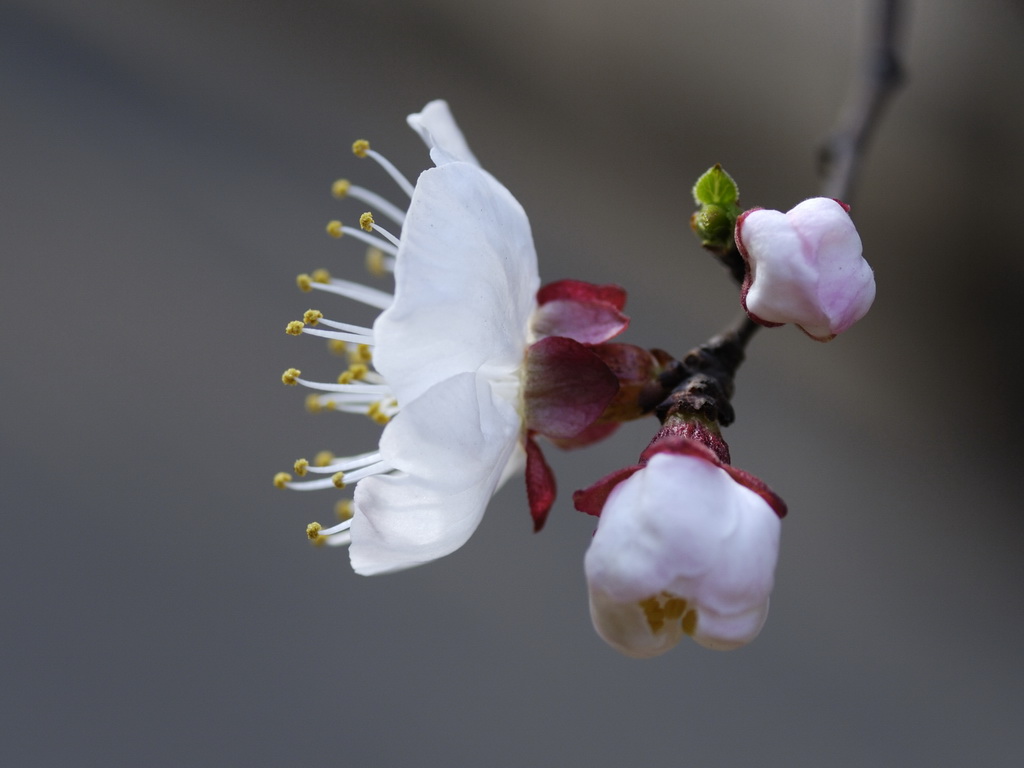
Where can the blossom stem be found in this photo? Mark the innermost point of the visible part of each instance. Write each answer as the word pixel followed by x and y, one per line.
pixel 881 74
pixel 701 384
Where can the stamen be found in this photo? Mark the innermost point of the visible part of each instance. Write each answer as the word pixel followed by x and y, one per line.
pixel 337 480
pixel 377 264
pixel 313 531
pixel 291 376
pixel 361 148
pixel 312 316
pixel 362 388
pixel 342 526
pixel 335 229
pixel 301 467
pixel 360 329
pixel 343 188
pixel 367 223
pixel 348 463
pixel 344 509
pixel 323 458
pixel 372 297
pixel 359 338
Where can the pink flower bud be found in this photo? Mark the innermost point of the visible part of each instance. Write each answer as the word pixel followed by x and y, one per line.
pixel 805 267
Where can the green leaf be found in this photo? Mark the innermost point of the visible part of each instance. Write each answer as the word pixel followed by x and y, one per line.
pixel 716 187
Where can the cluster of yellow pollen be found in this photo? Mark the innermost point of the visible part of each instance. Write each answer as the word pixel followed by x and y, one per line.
pixel 281 479
pixel 360 147
pixel 666 607
pixel 375 262
pixel 355 372
pixel 315 405
pixel 334 228
pixel 366 221
pixel 305 281
pixel 301 467
pixel 377 412
pixel 312 316
pixel 294 328
pixel 344 509
pixel 340 188
pixel 313 531
pixel 291 376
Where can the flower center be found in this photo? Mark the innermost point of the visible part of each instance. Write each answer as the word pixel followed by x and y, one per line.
pixel 661 611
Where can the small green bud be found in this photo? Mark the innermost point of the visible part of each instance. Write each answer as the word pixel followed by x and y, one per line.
pixel 716 187
pixel 713 226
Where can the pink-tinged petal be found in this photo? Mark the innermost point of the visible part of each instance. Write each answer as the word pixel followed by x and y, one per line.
pixel 591 500
pixel 439 131
pixel 596 432
pixel 465 284
pixel 805 267
pixel 588 322
pixel 846 284
pixel 567 387
pixel 540 484
pixel 577 290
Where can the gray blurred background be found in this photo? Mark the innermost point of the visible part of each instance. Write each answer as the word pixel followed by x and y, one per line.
pixel 165 172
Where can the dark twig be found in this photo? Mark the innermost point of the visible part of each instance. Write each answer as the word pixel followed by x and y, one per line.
pixel 881 74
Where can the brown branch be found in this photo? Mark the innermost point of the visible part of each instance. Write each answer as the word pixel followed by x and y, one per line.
pixel 881 74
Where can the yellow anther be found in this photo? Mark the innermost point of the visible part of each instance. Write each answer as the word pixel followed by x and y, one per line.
pixel 313 404
pixel 338 478
pixel 294 328
pixel 304 281
pixel 344 509
pixel 375 262
pixel 334 228
pixel 337 347
pixel 675 607
pixel 690 622
pixel 361 354
pixel 281 479
pixel 360 147
pixel 301 467
pixel 321 276
pixel 654 613
pixel 323 458
pixel 340 188
pixel 313 531
pixel 291 376
pixel 366 222
pixel 312 316
pixel 330 405
pixel 355 372
pixel 381 418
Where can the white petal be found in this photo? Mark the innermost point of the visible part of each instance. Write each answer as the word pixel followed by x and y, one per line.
pixel 465 284
pixel 449 447
pixel 438 129
pixel 683 527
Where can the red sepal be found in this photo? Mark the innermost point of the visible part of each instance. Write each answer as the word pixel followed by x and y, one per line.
pixel 540 484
